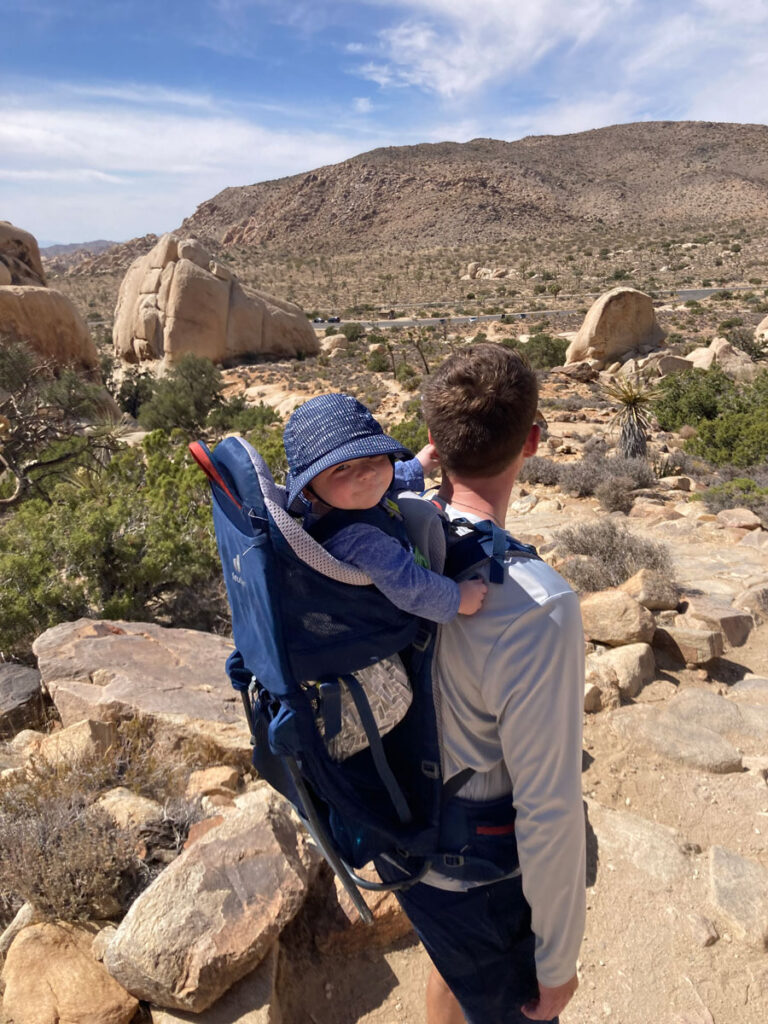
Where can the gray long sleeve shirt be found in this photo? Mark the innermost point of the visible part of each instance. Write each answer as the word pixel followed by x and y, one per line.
pixel 510 683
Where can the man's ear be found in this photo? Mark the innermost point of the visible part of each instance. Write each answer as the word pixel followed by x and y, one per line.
pixel 532 441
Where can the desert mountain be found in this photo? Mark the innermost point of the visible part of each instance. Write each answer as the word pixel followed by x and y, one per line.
pixel 652 176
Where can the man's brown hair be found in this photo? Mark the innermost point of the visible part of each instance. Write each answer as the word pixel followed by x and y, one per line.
pixel 479 406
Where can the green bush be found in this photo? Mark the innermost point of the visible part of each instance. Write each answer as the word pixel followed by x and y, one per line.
pixel 412 433
pixel 133 541
pixel 604 554
pixel 742 492
pixel 236 416
pixel 378 361
pixel 352 331
pixel 541 350
pixel 184 397
pixel 736 437
pixel 689 398
pixel 136 389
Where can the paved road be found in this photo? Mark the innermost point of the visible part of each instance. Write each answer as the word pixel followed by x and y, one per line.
pixel 682 295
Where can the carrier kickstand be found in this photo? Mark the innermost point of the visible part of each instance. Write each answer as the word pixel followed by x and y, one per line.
pixel 317 831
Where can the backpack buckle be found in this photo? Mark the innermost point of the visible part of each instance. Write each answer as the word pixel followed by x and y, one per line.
pixel 431 769
pixel 453 860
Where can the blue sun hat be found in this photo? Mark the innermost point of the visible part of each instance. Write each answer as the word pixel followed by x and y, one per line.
pixel 328 430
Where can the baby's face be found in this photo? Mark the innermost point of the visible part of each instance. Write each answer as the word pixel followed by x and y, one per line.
pixel 357 484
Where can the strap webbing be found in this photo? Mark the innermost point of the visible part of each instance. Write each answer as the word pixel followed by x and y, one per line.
pixel 377 749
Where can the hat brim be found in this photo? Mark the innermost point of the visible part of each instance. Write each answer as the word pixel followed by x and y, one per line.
pixel 360 448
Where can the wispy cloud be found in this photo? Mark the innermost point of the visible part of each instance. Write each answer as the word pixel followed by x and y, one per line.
pixel 362 105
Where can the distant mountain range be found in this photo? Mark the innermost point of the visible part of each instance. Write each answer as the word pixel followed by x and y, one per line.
pixel 656 177
pixel 56 249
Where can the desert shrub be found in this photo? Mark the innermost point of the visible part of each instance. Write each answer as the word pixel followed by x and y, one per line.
pixel 739 437
pixel 583 478
pixel 689 398
pixel 378 361
pixel 237 416
pixel 604 554
pixel 136 388
pixel 571 403
pixel 541 350
pixel 744 339
pixel 580 478
pixel 68 859
pixel 538 470
pixel 352 331
pixel 407 376
pixel 412 433
pixel 615 494
pixel 133 541
pixel 741 492
pixel 184 398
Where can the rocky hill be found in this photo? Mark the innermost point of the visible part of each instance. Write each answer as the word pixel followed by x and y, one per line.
pixel 652 176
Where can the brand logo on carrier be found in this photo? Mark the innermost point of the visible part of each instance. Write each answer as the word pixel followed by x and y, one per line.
pixel 236 575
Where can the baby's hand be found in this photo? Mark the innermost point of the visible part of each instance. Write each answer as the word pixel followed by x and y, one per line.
pixel 471 596
pixel 429 459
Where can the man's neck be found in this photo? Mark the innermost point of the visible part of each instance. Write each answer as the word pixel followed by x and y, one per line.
pixel 485 497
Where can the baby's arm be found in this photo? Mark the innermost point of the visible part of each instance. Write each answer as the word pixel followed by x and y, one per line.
pixel 394 571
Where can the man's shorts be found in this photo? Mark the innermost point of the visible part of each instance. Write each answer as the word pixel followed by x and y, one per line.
pixel 481 943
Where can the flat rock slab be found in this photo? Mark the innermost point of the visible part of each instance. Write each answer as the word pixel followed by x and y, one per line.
pixel 217 910
pixel 739 889
pixel 250 1001
pixel 676 739
pixel 175 678
pixel 22 704
pixel 744 724
pixel 654 849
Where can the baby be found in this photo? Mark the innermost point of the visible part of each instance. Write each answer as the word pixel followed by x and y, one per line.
pixel 343 464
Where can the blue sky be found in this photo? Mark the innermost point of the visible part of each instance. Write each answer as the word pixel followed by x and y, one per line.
pixel 119 116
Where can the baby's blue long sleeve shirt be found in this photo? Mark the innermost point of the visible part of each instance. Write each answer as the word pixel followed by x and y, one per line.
pixel 393 570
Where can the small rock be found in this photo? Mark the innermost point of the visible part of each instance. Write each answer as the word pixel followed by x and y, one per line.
pixel 614 618
pixel 739 518
pixel 221 780
pixel 652 590
pixel 703 930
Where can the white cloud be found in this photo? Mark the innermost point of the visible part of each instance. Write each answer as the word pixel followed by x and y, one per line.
pixel 118 171
pixel 362 105
pixel 452 48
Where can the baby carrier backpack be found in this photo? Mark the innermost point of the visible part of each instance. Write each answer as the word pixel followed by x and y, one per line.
pixel 307 628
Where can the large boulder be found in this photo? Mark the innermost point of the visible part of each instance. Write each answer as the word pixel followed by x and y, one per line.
pixel 761 331
pixel 172 679
pixel 622 320
pixel 22 703
pixel 217 910
pixel 20 257
pixel 42 318
pixel 49 324
pixel 51 977
pixel 176 299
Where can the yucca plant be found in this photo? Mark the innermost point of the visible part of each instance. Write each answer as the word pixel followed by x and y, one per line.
pixel 633 397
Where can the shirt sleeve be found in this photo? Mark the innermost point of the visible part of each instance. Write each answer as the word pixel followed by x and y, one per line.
pixel 395 572
pixel 539 718
pixel 408 476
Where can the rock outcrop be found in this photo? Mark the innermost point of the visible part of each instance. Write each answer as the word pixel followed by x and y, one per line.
pixel 177 299
pixel 31 312
pixel 620 322
pixel 173 679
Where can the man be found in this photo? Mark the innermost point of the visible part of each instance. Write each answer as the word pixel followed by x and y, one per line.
pixel 509 684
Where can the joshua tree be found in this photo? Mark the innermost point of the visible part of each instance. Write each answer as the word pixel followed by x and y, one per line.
pixel 633 398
